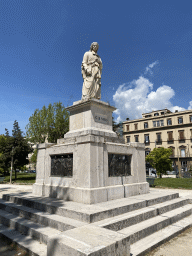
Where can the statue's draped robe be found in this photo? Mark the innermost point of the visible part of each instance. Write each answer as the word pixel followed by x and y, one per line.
pixel 92 82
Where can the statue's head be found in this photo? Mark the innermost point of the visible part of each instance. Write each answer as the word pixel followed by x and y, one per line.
pixel 94 46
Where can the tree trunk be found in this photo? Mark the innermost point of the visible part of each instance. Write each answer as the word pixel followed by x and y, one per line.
pixel 15 175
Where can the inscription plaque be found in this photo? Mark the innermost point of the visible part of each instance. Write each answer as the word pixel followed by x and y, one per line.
pixel 62 165
pixel 119 165
pixel 101 119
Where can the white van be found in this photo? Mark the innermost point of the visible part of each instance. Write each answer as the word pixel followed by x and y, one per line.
pixel 152 173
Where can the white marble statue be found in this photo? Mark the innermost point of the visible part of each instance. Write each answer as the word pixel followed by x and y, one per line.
pixel 91 71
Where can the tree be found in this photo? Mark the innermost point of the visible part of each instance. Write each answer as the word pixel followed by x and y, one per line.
pixel 15 145
pixel 51 123
pixel 117 127
pixel 6 144
pixel 34 157
pixel 159 160
pixel 21 148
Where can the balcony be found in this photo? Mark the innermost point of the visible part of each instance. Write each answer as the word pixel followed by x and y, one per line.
pixel 158 142
pixel 170 141
pixel 181 139
pixel 147 142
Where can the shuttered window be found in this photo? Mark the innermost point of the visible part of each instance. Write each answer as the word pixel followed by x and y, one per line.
pixel 170 135
pixel 181 135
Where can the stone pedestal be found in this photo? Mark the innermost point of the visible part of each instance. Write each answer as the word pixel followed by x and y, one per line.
pixel 89 146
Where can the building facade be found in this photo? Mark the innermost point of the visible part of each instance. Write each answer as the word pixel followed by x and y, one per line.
pixel 166 129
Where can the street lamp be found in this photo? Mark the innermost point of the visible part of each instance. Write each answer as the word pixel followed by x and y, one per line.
pixel 179 169
pixel 11 166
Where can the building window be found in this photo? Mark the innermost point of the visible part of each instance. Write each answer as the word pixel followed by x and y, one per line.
pixel 169 121
pixel 184 163
pixel 173 152
pixel 180 120
pixel 128 139
pixel 136 126
pixel 162 113
pixel 136 138
pixel 182 152
pixel 170 137
pixel 127 126
pixel 190 119
pixel 147 152
pixel 156 114
pixel 146 125
pixel 158 140
pixel 146 137
pixel 181 136
pixel 158 136
pixel 158 123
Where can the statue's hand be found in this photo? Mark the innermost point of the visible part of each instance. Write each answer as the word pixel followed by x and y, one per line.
pixel 88 71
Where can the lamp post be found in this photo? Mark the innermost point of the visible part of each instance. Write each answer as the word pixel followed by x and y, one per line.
pixel 179 169
pixel 189 160
pixel 11 166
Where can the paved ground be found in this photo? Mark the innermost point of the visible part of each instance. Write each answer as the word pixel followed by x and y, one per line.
pixel 9 249
pixel 181 245
pixel 178 246
pixel 6 248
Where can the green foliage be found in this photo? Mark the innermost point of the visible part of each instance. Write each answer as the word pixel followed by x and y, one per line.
pixel 1 171
pixel 185 183
pixel 159 159
pixel 51 123
pixel 34 157
pixel 22 178
pixel 6 144
pixel 15 146
pixel 23 168
pixel 21 147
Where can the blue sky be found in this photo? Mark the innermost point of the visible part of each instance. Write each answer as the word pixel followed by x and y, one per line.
pixel 145 47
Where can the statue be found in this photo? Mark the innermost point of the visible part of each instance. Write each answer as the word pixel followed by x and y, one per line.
pixel 91 71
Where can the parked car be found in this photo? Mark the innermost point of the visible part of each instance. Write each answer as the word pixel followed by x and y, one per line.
pixel 151 172
pixel 32 171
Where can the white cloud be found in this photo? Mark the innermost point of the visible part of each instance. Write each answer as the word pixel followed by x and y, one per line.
pixel 190 105
pixel 137 97
pixel 148 69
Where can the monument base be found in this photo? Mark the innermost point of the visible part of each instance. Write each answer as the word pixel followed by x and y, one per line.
pixel 91 195
pixel 90 164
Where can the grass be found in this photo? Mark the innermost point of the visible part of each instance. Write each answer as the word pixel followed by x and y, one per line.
pixel 21 178
pixel 184 183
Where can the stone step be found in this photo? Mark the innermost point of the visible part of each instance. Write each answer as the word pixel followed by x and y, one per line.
pixel 33 247
pixel 150 242
pixel 43 218
pixel 27 227
pixel 90 213
pixel 150 226
pixel 131 218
